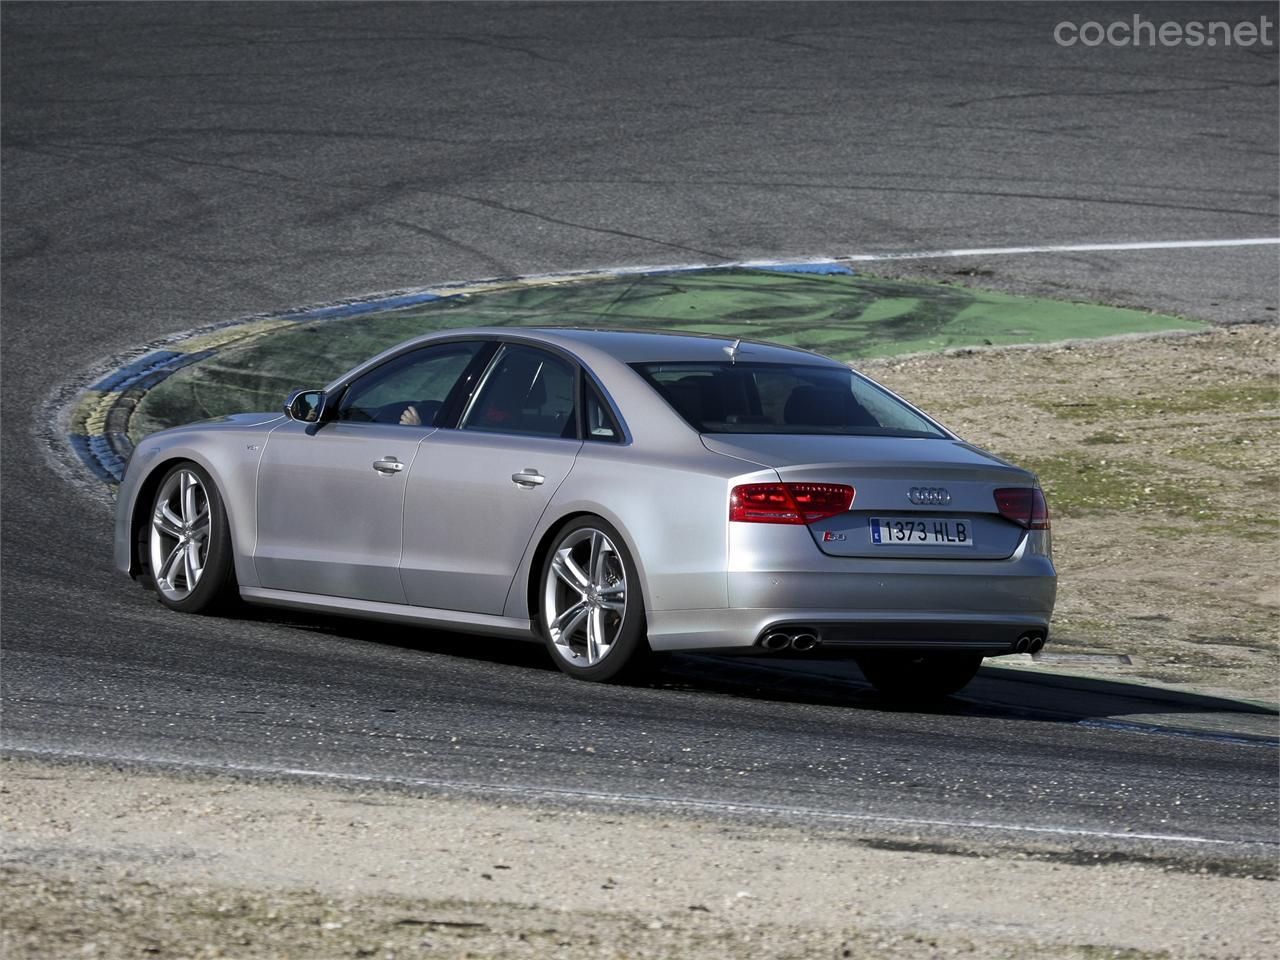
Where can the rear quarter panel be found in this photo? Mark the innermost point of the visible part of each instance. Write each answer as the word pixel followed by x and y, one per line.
pixel 672 513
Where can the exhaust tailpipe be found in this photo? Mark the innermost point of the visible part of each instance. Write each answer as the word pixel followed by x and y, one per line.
pixel 1037 644
pixel 776 641
pixel 803 642
pixel 1023 644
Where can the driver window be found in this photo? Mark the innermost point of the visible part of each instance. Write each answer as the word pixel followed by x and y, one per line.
pixel 529 391
pixel 411 389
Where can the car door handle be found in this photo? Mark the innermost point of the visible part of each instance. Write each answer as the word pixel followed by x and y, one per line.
pixel 528 478
pixel 388 466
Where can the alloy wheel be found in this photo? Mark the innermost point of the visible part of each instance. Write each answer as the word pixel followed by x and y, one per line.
pixel 179 535
pixel 585 597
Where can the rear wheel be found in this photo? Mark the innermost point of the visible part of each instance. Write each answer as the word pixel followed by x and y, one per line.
pixel 188 542
pixel 592 614
pixel 919 676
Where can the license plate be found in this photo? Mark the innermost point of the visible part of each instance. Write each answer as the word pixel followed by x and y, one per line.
pixel 913 530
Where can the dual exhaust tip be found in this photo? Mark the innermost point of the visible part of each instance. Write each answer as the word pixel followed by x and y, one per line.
pixel 800 640
pixel 1029 643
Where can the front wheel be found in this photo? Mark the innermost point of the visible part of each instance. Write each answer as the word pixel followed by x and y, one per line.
pixel 188 542
pixel 920 676
pixel 592 613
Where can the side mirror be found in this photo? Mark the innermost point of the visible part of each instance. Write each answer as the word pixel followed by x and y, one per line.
pixel 305 405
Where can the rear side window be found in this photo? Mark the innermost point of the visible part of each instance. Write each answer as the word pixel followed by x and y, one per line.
pixel 601 426
pixel 782 398
pixel 528 391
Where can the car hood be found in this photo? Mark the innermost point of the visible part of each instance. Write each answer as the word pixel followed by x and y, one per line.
pixel 230 421
pixel 245 419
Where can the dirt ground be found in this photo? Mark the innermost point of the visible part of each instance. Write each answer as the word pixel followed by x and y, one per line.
pixel 1160 461
pixel 106 864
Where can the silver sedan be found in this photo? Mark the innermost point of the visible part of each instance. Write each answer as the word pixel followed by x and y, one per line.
pixel 612 494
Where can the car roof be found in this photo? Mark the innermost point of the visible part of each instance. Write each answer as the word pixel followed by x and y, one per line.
pixel 646 346
pixel 597 347
pixel 648 417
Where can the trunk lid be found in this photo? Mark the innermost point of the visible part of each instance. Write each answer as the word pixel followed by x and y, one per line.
pixel 962 524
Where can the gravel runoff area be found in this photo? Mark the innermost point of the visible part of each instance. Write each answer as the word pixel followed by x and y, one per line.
pixel 115 864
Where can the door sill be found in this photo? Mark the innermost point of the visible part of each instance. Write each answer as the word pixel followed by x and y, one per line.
pixel 393 612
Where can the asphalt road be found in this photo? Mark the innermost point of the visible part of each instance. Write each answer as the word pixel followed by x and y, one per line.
pixel 166 166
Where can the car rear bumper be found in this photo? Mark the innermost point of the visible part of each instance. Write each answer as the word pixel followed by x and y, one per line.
pixel 845 633
pixel 854 605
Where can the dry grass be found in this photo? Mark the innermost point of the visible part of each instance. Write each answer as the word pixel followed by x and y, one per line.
pixel 1162 470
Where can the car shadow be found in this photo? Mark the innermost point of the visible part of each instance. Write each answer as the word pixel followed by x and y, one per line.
pixel 997 691
pixel 468 646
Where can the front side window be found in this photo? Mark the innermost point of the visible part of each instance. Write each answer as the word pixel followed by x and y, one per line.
pixel 528 391
pixel 411 389
pixel 782 398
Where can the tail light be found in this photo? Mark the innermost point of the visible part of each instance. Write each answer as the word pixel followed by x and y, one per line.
pixel 801 503
pixel 1025 506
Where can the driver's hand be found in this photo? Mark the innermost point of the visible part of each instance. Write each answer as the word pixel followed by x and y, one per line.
pixel 410 417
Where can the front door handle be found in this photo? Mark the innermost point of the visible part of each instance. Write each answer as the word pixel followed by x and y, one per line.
pixel 528 478
pixel 388 465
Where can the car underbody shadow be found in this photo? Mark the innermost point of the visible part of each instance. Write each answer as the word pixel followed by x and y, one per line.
pixel 996 691
pixel 497 650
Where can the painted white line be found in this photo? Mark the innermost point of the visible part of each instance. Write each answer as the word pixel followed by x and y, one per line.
pixel 487 790
pixel 655 268
pixel 1061 248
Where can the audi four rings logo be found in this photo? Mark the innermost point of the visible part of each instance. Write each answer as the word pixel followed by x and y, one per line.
pixel 931 495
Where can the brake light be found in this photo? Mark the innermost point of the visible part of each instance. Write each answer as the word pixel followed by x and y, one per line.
pixel 801 503
pixel 1025 506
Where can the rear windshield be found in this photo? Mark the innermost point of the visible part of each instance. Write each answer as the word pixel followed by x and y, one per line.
pixel 782 398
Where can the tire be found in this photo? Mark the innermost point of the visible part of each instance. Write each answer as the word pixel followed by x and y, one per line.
pixel 592 612
pixel 920 676
pixel 187 542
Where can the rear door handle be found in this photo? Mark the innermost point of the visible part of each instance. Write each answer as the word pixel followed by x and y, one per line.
pixel 388 465
pixel 528 478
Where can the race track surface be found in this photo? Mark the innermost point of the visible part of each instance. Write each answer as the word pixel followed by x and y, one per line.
pixel 167 166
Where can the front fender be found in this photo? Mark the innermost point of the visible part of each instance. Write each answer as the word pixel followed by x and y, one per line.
pixel 229 453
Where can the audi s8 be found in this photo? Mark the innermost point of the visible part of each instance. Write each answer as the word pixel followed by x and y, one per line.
pixel 611 494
